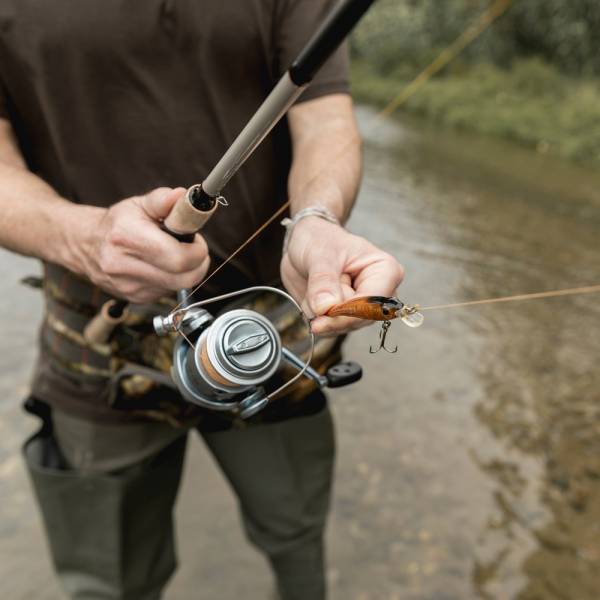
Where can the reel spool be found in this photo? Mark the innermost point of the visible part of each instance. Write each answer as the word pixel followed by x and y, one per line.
pixel 223 363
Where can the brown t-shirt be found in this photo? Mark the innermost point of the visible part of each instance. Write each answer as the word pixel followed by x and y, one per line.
pixel 111 98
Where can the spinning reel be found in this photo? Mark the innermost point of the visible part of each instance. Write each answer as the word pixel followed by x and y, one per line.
pixel 226 363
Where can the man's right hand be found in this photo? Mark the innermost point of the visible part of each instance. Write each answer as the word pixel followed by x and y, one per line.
pixel 123 250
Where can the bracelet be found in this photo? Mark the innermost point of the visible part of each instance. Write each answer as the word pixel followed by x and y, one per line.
pixel 309 211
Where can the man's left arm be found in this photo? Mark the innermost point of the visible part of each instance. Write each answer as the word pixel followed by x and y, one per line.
pixel 325 264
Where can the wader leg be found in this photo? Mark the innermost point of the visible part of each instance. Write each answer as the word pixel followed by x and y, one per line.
pixel 282 475
pixel 110 534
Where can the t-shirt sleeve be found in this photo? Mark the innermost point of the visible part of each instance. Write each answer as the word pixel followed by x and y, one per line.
pixel 297 21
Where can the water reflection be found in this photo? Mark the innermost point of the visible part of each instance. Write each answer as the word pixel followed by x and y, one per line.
pixel 486 474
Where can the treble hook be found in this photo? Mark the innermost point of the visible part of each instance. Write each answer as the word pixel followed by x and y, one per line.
pixel 382 334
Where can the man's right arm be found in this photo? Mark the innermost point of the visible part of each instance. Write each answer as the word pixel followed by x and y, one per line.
pixel 121 249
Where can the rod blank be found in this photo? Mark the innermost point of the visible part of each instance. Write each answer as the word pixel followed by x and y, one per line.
pixel 338 24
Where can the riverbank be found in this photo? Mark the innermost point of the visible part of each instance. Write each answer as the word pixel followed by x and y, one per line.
pixel 533 104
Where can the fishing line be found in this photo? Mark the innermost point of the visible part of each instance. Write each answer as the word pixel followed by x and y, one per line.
pixel 256 233
pixel 468 36
pixel 186 338
pixel 446 56
pixel 590 289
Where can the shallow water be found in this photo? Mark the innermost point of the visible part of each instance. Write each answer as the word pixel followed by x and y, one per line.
pixel 468 462
pixel 475 451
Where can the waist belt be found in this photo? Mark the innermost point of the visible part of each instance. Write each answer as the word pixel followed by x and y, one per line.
pixel 135 363
pixel 70 303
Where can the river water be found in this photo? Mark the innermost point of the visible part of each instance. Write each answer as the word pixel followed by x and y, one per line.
pixel 477 453
pixel 468 462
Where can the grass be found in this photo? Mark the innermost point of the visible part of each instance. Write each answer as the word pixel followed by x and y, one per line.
pixel 532 104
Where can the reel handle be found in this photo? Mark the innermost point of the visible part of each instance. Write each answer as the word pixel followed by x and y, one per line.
pixel 343 373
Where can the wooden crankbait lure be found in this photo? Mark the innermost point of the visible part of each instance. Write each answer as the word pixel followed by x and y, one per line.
pixel 379 308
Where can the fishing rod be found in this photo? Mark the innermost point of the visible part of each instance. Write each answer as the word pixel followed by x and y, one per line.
pixel 198 204
pixel 228 363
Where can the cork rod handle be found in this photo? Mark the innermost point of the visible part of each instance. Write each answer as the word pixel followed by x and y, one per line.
pixel 190 213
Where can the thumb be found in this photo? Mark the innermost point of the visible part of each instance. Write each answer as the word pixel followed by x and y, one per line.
pixel 159 202
pixel 324 288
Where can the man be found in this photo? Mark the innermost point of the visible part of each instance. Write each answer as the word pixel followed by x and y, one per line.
pixel 102 101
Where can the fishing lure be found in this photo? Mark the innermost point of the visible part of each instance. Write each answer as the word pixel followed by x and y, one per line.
pixel 379 308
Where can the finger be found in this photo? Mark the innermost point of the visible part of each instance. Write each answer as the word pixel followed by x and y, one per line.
pixel 159 202
pixel 136 292
pixel 133 274
pixel 158 248
pixel 346 280
pixel 323 286
pixel 173 256
pixel 192 278
pixel 331 325
pixel 179 281
pixel 380 277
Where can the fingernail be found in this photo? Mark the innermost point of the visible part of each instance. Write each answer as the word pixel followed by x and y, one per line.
pixel 323 301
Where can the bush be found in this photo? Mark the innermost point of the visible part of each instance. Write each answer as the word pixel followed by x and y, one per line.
pixel 564 32
pixel 532 104
pixel 404 34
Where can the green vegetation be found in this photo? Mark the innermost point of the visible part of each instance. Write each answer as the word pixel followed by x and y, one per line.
pixel 532 78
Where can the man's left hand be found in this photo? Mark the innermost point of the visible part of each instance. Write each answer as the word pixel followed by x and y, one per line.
pixel 325 264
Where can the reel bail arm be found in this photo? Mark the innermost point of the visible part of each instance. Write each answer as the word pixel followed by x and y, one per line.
pixel 225 363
